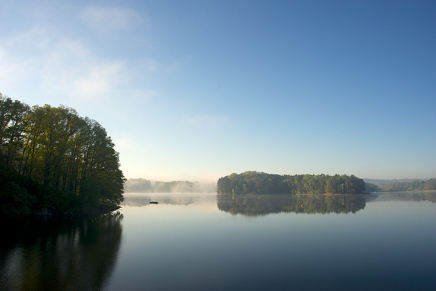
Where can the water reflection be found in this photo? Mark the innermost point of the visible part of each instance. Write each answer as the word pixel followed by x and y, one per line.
pixel 408 196
pixel 253 205
pixel 59 254
pixel 138 200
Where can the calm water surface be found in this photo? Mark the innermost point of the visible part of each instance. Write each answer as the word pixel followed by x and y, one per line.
pixel 209 242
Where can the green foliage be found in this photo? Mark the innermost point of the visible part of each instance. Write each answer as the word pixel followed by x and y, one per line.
pixel 64 161
pixel 15 201
pixel 262 183
pixel 90 192
pixel 369 187
pixel 415 185
pixel 430 184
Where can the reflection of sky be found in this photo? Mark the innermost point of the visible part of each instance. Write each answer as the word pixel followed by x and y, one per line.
pixel 198 247
pixel 404 196
pixel 141 199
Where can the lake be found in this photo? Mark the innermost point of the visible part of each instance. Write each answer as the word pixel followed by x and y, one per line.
pixel 230 242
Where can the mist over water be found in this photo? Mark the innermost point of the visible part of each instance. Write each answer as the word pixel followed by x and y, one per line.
pixel 148 186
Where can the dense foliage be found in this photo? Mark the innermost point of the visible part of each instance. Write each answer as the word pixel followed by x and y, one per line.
pixel 263 183
pixel 50 157
pixel 370 187
pixel 415 185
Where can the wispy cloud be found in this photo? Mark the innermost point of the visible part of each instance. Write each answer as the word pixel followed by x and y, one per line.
pixel 69 67
pixel 204 120
pixel 108 18
pixel 98 80
pixel 65 66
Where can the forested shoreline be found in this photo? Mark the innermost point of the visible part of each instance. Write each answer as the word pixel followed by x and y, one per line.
pixel 252 182
pixel 415 185
pixel 54 161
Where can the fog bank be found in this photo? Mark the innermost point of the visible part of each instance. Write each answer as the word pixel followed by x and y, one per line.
pixel 148 186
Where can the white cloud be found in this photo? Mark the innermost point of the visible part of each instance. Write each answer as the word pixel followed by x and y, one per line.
pixel 62 66
pixel 69 67
pixel 108 18
pixel 206 120
pixel 19 61
pixel 99 79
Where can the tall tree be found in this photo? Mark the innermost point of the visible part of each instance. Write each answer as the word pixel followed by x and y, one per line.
pixel 56 147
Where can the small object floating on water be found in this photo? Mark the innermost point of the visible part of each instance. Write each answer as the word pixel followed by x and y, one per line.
pixel 154 202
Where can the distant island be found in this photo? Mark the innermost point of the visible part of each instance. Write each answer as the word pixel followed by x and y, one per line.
pixel 252 182
pixel 146 186
pixel 54 162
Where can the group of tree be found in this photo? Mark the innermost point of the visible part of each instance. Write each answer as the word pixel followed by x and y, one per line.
pixel 147 186
pixel 370 187
pixel 416 185
pixel 262 183
pixel 52 158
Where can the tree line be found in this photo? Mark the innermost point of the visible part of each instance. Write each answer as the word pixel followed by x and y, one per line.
pixel 252 182
pixel 50 157
pixel 415 185
pixel 370 187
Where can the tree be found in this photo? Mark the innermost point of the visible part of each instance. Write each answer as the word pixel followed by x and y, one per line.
pixel 12 125
pixel 55 147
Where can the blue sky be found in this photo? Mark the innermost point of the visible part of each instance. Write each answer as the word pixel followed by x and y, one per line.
pixel 195 90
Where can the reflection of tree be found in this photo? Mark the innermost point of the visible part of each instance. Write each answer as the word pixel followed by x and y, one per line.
pixel 411 196
pixel 60 255
pixel 253 205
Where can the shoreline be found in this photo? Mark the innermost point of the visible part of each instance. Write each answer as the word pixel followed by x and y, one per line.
pixel 100 210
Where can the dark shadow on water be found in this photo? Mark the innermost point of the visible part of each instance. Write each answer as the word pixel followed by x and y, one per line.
pixel 254 205
pixel 41 254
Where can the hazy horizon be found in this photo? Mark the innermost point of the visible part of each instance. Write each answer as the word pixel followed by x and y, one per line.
pixel 214 181
pixel 197 90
